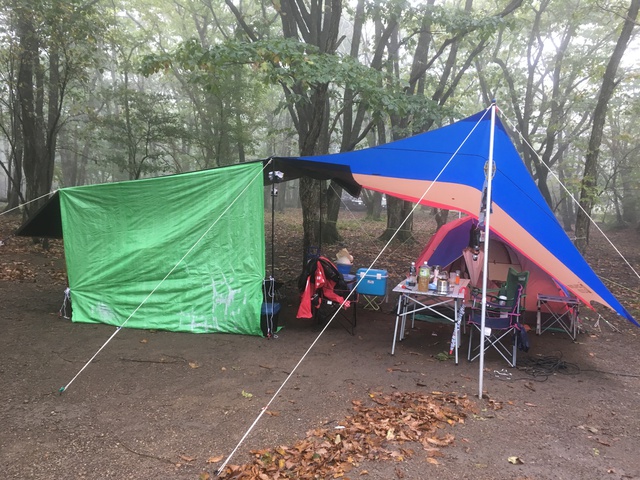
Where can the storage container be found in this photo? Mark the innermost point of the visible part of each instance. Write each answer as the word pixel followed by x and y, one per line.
pixel 269 314
pixel 374 282
pixel 344 268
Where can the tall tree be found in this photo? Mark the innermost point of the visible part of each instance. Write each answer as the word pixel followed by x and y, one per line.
pixel 448 41
pixel 56 40
pixel 545 62
pixel 609 82
pixel 315 24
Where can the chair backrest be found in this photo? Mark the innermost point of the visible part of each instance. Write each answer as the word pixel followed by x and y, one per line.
pixel 514 280
pixel 517 300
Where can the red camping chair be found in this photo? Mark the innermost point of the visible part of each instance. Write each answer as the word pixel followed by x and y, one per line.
pixel 324 293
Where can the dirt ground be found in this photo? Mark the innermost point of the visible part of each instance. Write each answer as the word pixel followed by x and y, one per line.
pixel 173 406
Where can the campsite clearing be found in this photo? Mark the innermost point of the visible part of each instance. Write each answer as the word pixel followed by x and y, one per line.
pixel 172 405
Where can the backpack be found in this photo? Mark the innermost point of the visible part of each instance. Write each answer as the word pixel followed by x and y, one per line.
pixel 523 338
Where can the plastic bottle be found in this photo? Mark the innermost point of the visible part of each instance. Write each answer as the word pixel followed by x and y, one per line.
pixel 412 280
pixel 423 278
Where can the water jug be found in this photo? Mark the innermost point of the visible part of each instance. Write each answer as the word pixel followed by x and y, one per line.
pixel 423 278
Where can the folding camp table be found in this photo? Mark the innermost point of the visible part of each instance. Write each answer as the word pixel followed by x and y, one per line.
pixel 566 320
pixel 412 301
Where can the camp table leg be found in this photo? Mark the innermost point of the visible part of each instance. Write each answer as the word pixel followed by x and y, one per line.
pixel 395 330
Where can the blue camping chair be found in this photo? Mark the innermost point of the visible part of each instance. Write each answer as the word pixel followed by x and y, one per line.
pixel 503 330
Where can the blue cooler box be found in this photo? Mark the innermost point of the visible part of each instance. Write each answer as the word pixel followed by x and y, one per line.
pixel 373 283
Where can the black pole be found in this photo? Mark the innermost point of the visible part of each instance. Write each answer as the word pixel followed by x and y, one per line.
pixel 273 226
pixel 320 219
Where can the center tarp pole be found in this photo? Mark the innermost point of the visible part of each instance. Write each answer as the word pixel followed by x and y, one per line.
pixel 483 316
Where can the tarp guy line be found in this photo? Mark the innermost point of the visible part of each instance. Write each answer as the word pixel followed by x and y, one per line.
pixel 261 172
pixel 359 222
pixel 27 203
pixel 384 248
pixel 571 196
pixel 3 241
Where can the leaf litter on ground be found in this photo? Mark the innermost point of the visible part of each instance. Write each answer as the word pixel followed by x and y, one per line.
pixel 375 431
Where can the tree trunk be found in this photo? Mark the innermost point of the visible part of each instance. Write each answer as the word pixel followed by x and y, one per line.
pixel 566 204
pixel 397 211
pixel 629 201
pixel 330 233
pixel 317 26
pixel 14 173
pixel 441 216
pixel 588 185
pixel 40 98
pixel 376 207
pixel 310 199
pixel 32 120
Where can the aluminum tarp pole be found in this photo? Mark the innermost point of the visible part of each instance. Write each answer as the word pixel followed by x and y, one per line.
pixel 483 315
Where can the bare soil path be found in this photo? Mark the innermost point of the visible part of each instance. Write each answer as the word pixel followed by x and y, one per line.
pixel 173 406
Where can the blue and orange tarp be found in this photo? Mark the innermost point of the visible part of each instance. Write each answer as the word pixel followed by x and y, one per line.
pixel 445 168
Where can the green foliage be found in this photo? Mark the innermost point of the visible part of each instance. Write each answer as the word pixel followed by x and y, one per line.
pixel 292 64
pixel 136 135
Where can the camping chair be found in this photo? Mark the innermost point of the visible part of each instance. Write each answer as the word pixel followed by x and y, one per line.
pixel 509 288
pixel 323 290
pixel 502 328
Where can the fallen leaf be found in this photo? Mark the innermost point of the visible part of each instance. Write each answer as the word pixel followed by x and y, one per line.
pixel 144 340
pixel 515 460
pixel 432 461
pixel 441 442
pixel 247 394
pixel 215 459
pixel 588 428
pixel 187 458
pixel 530 404
pixel 194 365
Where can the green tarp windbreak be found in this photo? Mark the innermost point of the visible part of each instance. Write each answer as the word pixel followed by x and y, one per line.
pixel 122 239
